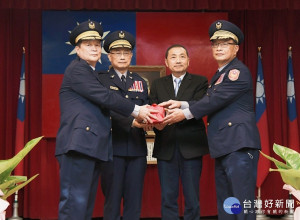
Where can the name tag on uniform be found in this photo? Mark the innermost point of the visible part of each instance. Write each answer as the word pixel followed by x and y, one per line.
pixel 114 88
pixel 137 86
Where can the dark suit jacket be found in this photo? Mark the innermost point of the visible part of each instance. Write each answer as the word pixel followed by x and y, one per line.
pixel 127 140
pixel 190 135
pixel 85 122
pixel 230 110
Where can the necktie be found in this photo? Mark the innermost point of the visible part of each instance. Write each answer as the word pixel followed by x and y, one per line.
pixel 123 81
pixel 177 84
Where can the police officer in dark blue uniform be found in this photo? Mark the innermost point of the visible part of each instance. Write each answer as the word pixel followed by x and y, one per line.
pixel 233 137
pixel 83 142
pixel 124 176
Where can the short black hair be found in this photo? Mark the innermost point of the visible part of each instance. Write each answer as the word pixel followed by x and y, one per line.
pixel 173 46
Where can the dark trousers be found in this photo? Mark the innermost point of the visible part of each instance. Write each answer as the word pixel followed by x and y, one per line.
pixel 189 171
pixel 79 177
pixel 235 176
pixel 123 178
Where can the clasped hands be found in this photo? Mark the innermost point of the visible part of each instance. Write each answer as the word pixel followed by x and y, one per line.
pixel 145 118
pixel 173 115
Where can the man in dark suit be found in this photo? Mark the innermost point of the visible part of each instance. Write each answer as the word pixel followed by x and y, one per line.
pixel 179 148
pixel 232 133
pixel 124 176
pixel 83 142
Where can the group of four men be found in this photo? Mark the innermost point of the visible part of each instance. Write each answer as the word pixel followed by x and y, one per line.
pixel 104 116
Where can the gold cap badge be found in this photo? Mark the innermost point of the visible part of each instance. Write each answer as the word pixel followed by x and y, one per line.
pixel 91 25
pixel 218 25
pixel 121 34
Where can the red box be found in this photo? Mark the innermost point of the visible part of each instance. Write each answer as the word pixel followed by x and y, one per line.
pixel 160 115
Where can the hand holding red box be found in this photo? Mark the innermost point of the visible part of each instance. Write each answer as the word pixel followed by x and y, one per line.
pixel 160 115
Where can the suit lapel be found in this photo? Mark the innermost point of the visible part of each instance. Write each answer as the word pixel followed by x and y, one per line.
pixel 85 63
pixel 216 77
pixel 115 79
pixel 218 74
pixel 170 86
pixel 129 80
pixel 184 85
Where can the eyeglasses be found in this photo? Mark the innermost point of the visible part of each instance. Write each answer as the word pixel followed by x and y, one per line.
pixel 222 45
pixel 119 54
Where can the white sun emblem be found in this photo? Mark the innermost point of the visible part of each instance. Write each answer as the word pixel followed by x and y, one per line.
pixel 102 50
pixel 290 89
pixel 22 88
pixel 260 90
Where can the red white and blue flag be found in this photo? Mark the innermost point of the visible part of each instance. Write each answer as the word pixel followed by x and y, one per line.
pixel 20 129
pixel 154 33
pixel 293 132
pixel 262 124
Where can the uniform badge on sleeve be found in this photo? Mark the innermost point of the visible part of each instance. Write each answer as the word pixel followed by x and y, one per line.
pixel 233 74
pixel 137 86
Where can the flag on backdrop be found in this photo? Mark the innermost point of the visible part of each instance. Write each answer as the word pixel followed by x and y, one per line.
pixel 20 128
pixel 293 132
pixel 154 33
pixel 262 124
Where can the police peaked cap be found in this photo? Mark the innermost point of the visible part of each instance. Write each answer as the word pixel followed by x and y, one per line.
pixel 88 30
pixel 222 29
pixel 119 39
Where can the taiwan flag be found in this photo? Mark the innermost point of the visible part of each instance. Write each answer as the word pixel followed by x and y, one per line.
pixel 262 123
pixel 293 132
pixel 154 33
pixel 20 128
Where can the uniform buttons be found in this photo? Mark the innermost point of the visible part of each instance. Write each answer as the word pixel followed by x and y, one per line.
pixel 110 117
pixel 207 123
pixel 209 86
pixel 87 128
pixel 137 97
pixel 111 129
pixel 229 124
pixel 126 96
pixel 207 94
